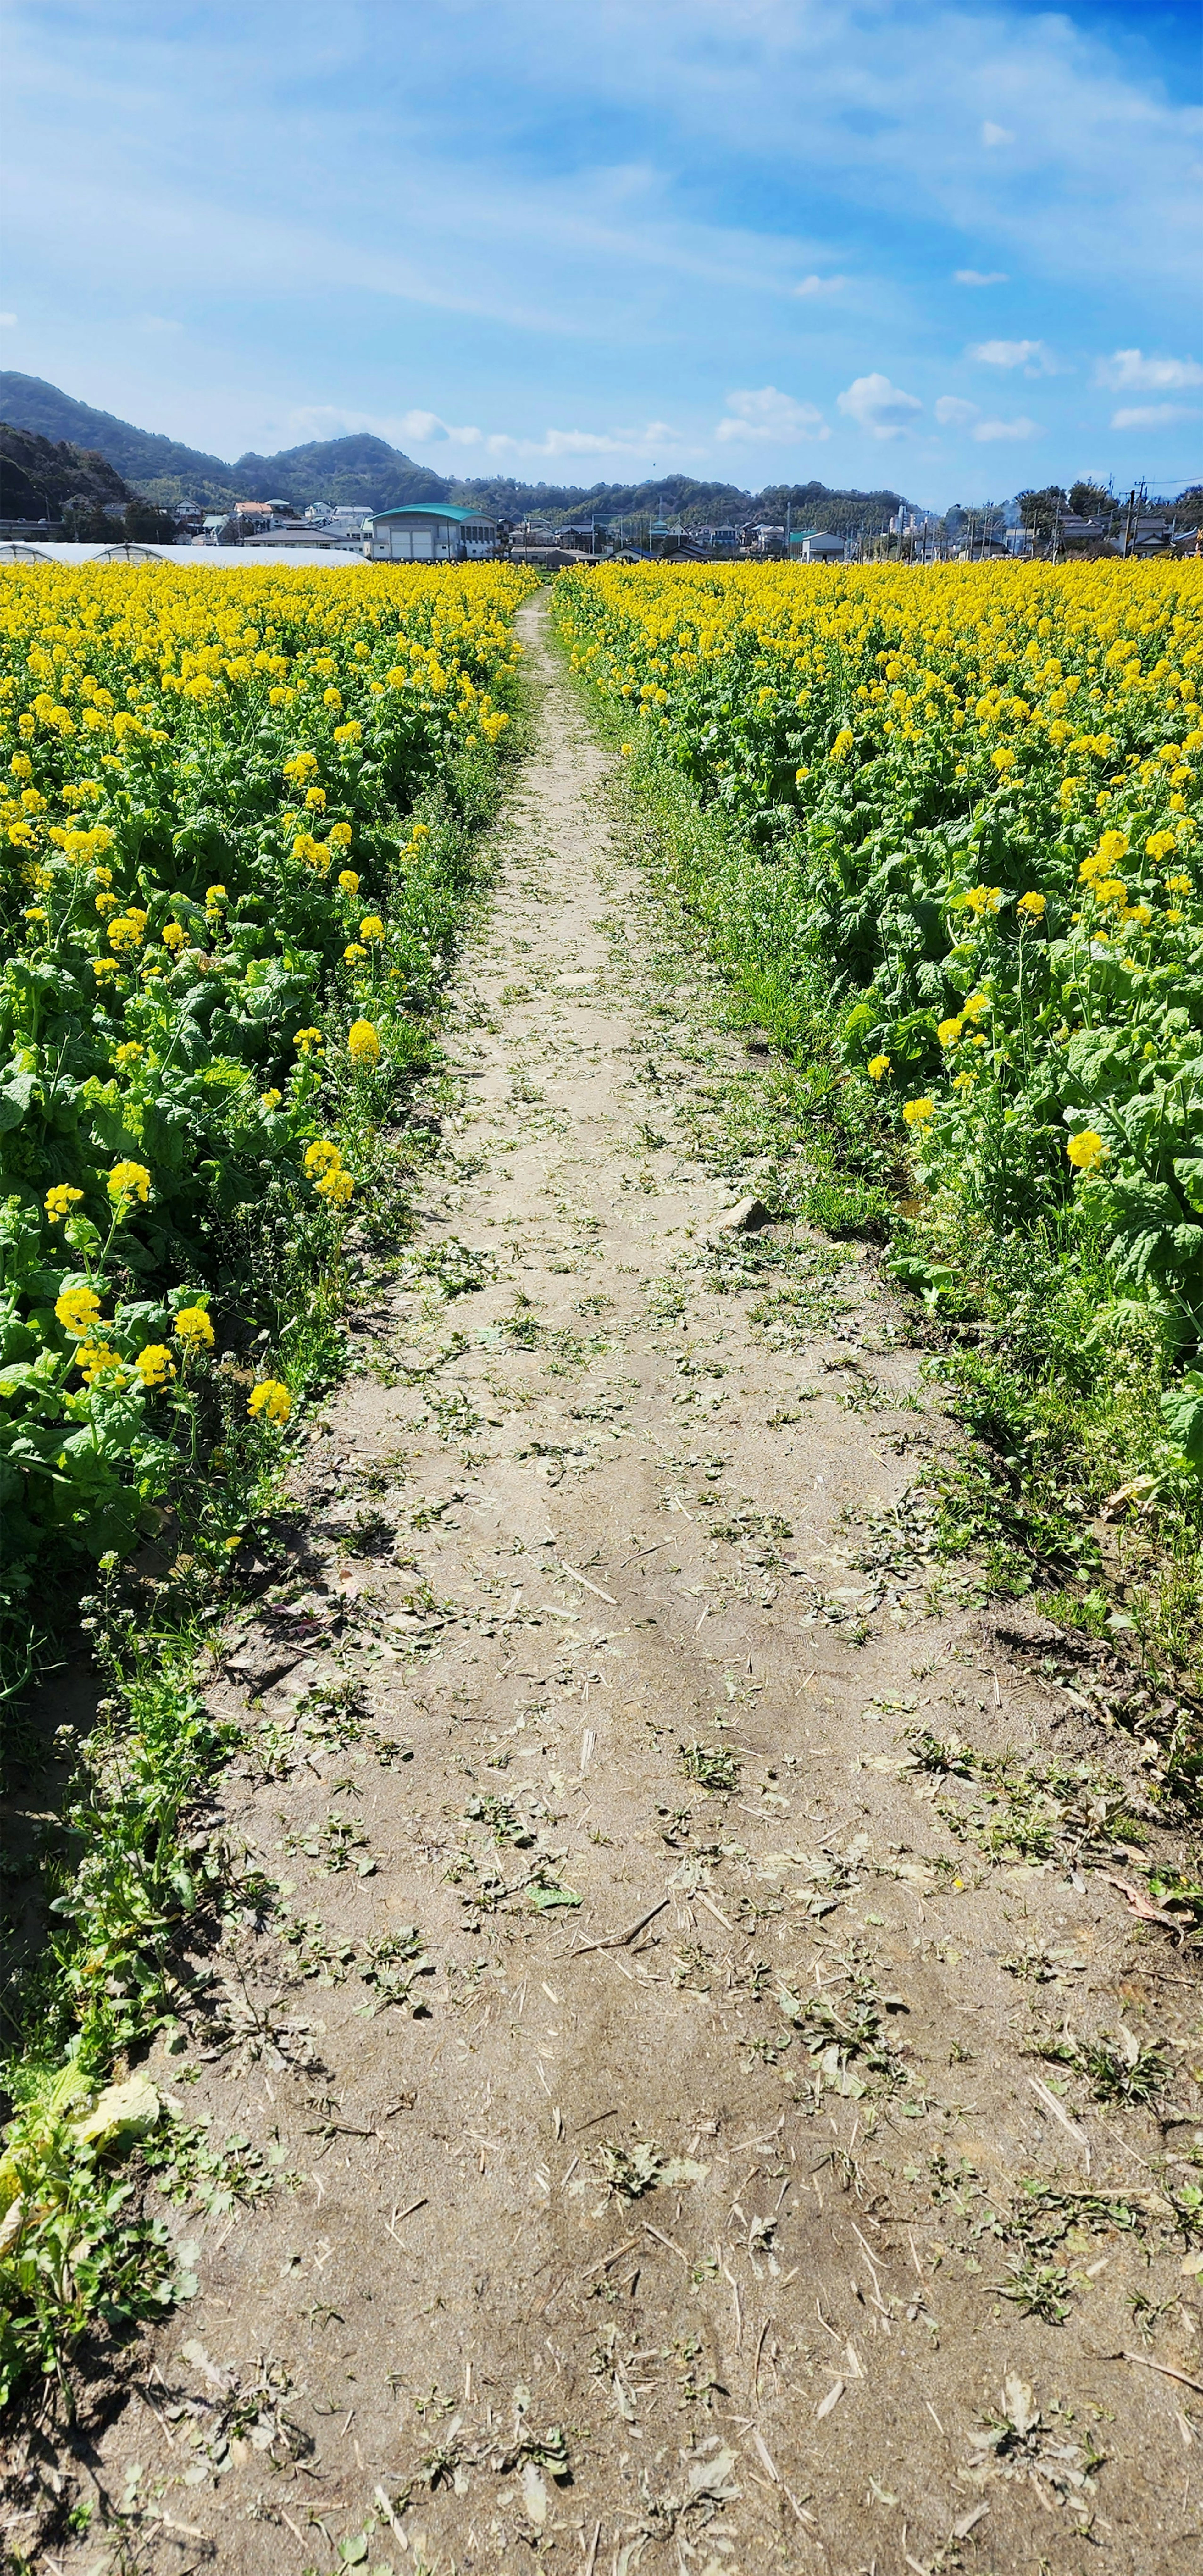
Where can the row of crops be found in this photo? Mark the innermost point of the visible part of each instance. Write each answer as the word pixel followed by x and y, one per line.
pixel 966 803
pixel 238 818
pixel 232 869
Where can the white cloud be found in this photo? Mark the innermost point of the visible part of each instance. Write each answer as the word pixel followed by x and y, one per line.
pixel 1129 371
pixel 769 415
pixel 979 276
pixel 993 135
pixel 430 431
pixel 1151 415
pixel 819 285
pixel 953 413
pixel 423 428
pixel 1031 355
pixel 878 406
pixel 991 429
pixel 8 321
pixel 655 440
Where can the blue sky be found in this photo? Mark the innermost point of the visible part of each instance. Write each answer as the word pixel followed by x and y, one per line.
pixel 950 247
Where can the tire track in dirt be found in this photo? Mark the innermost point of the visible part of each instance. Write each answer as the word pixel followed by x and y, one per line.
pixel 635 2046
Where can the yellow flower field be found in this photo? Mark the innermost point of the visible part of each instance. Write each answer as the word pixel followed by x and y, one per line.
pixel 964 809
pixel 234 812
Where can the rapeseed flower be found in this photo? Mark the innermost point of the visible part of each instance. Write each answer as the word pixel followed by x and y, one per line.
pixel 128 1181
pixel 78 1311
pixel 270 1401
pixel 363 1044
pixel 60 1200
pixel 154 1365
pixel 1086 1150
pixel 193 1328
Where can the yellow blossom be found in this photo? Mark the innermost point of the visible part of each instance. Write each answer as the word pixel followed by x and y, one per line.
pixel 154 1364
pixel 59 1202
pixel 363 1044
pixel 270 1401
pixel 128 1181
pixel 78 1311
pixel 193 1328
pixel 1086 1150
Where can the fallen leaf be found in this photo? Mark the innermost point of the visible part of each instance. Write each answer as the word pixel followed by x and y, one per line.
pixel 534 2494
pixel 1143 1905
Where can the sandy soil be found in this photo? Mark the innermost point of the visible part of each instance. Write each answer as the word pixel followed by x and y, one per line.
pixel 640 2058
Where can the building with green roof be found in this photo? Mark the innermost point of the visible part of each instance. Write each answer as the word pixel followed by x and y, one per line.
pixel 429 532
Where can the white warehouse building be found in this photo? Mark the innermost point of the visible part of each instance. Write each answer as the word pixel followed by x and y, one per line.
pixel 429 532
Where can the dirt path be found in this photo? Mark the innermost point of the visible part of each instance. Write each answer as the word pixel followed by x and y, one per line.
pixel 659 2179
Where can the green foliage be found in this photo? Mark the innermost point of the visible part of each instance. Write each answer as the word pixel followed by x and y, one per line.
pixel 937 830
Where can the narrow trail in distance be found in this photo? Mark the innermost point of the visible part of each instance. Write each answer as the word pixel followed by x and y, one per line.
pixel 640 2048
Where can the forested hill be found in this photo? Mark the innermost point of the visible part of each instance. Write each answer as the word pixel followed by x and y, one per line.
pixel 139 454
pixel 39 475
pixel 364 470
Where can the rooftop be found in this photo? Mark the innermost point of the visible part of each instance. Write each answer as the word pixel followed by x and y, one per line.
pixel 436 510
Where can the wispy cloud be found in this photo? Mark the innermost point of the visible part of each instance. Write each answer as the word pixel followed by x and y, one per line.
pixel 993 136
pixel 770 418
pixel 952 412
pixel 814 285
pixel 1129 371
pixel 8 321
pixel 431 430
pixel 986 430
pixel 1151 415
pixel 1031 355
pixel 878 406
pixel 979 276
pixel 657 440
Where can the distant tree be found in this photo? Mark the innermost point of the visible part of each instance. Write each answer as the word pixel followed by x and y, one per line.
pixel 86 521
pixel 146 524
pixel 1040 511
pixel 1090 501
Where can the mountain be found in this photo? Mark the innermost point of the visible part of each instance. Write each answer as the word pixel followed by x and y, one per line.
pixel 139 454
pixel 359 470
pixel 678 496
pixel 365 470
pixel 39 475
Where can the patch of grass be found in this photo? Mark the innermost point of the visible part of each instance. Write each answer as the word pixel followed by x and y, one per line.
pixel 714 1769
